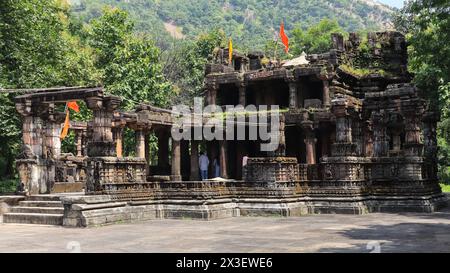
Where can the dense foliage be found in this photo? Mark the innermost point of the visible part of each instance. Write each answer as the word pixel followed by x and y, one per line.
pixel 316 39
pixel 184 64
pixel 129 63
pixel 251 22
pixel 427 24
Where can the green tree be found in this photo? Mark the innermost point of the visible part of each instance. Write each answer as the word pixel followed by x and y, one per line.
pixel 129 62
pixel 184 63
pixel 427 24
pixel 315 39
pixel 251 22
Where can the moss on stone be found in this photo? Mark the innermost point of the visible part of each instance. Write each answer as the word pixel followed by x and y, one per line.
pixel 363 72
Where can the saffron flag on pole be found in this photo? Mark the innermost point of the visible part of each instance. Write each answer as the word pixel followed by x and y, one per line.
pixel 66 126
pixel 230 51
pixel 73 105
pixel 284 38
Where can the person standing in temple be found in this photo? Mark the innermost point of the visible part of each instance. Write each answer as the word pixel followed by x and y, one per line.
pixel 244 166
pixel 203 163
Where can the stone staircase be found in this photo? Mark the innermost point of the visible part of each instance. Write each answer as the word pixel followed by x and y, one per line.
pixel 37 209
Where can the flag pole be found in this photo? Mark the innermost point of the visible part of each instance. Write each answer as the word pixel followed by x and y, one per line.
pixel 276 48
pixel 66 108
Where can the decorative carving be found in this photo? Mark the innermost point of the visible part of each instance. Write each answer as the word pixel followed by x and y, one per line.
pixel 130 174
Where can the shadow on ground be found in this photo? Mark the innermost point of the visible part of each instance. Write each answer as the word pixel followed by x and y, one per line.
pixel 426 233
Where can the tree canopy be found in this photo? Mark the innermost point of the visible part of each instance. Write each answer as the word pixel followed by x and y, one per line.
pixel 128 62
pixel 427 24
pixel 315 39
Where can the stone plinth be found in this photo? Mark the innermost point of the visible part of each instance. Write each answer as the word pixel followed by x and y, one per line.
pixel 115 176
pixel 209 200
pixel 272 169
pixel 396 168
pixel 343 168
pixel 33 175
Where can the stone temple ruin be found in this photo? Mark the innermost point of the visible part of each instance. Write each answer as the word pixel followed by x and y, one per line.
pixel 355 137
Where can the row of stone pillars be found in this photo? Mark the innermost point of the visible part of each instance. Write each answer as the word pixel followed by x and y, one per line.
pixel 163 135
pixel 142 149
pixel 371 138
pixel 211 97
pixel 194 156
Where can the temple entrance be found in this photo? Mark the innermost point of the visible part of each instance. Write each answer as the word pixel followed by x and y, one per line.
pixel 295 145
pixel 309 92
pixel 227 94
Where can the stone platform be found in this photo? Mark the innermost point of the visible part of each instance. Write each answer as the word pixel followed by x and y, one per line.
pixel 209 200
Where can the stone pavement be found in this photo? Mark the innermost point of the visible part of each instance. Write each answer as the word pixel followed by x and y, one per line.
pixel 409 232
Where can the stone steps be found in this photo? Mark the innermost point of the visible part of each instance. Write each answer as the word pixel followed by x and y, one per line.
pixel 41 197
pixel 44 210
pixel 33 218
pixel 40 204
pixel 37 209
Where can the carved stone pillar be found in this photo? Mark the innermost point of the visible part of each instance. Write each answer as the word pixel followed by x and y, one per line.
pixel 140 143
pixel 52 142
pixel 415 167
pixel 147 151
pixel 223 159
pixel 344 163
pixel 41 145
pixel 281 150
pixel 380 138
pixel 292 93
pixel 194 176
pixel 32 129
pixel 357 135
pixel 84 142
pixel 344 145
pixel 79 142
pixel 343 129
pixel 310 142
pixel 51 145
pixel 242 89
pixel 176 161
pixel 118 138
pixel 326 93
pixel 368 139
pixel 102 140
pixel 211 94
pixel 413 138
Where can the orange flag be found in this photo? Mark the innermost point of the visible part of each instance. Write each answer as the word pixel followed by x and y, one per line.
pixel 284 38
pixel 230 51
pixel 66 126
pixel 74 106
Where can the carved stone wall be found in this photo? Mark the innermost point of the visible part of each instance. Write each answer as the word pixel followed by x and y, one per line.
pixel 272 169
pixel 115 176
